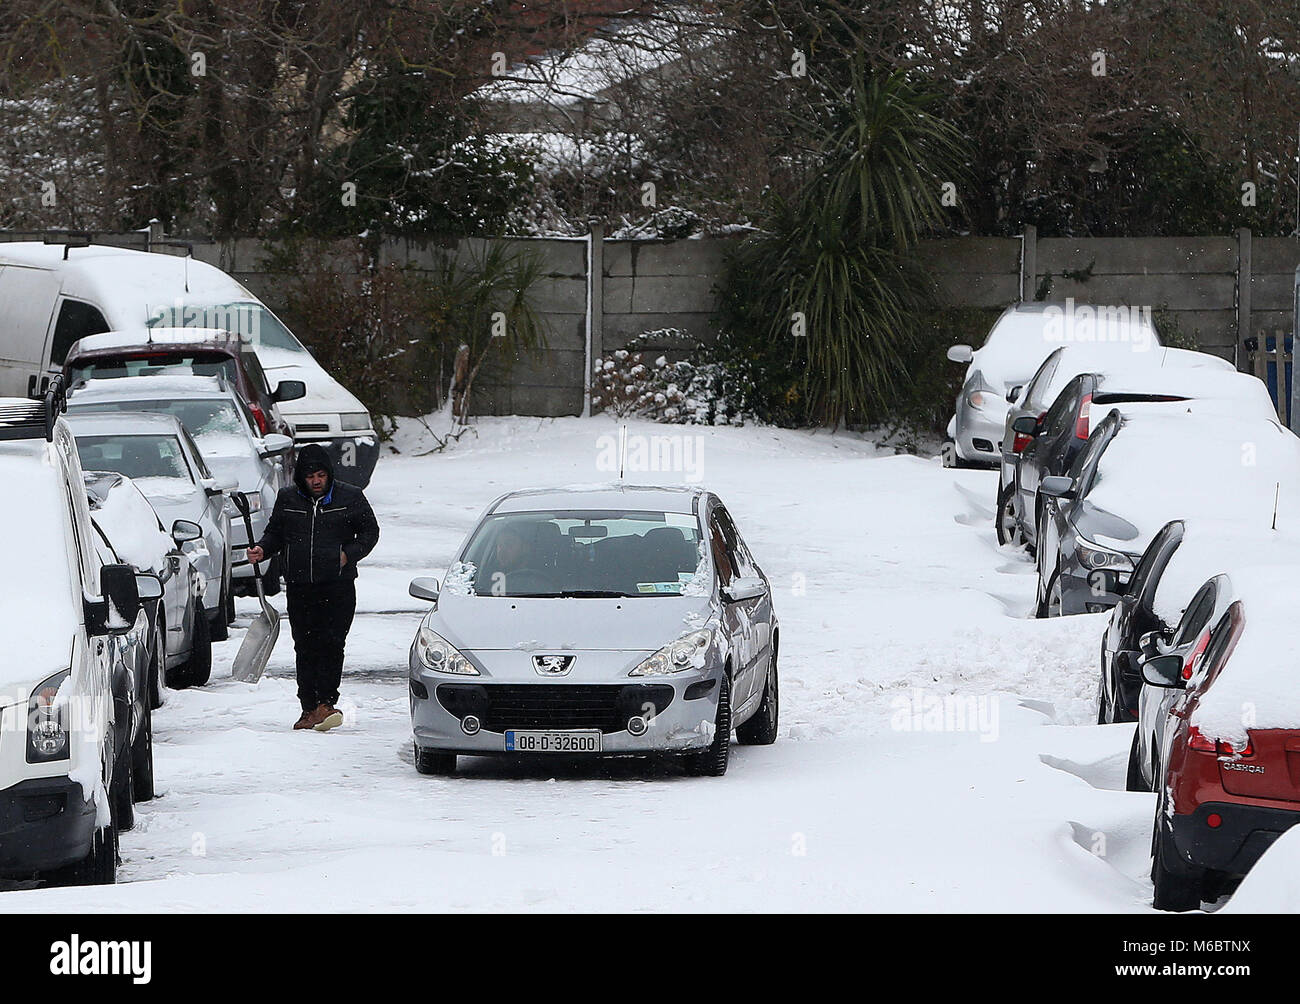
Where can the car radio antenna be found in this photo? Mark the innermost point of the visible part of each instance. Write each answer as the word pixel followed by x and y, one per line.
pixel 622 449
pixel 1277 494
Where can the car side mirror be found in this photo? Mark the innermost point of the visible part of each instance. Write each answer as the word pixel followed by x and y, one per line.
pixel 1058 486
pixel 1163 671
pixel 217 486
pixel 960 353
pixel 121 599
pixel 184 530
pixel 274 444
pixel 746 587
pixel 289 390
pixel 1013 395
pixel 424 587
pixel 1026 425
pixel 149 586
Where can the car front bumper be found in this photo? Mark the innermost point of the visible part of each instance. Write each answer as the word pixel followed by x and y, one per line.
pixel 44 824
pixel 977 433
pixel 684 723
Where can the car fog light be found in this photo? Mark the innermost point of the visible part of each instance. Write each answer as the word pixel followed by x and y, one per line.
pixel 1214 820
pixel 636 725
pixel 470 725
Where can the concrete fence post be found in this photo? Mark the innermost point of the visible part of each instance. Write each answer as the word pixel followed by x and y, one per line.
pixel 1028 262
pixel 1243 296
pixel 595 308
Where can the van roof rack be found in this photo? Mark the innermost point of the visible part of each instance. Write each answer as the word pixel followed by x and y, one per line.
pixel 35 420
pixel 71 239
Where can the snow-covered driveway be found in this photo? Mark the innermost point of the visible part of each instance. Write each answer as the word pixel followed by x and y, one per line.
pixel 936 749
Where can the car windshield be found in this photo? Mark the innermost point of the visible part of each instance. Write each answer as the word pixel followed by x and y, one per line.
pixel 213 422
pixel 252 320
pixel 142 456
pixel 153 363
pixel 582 553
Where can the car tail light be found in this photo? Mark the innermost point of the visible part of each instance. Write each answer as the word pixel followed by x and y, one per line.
pixel 1189 667
pixel 1081 423
pixel 1197 740
pixel 260 415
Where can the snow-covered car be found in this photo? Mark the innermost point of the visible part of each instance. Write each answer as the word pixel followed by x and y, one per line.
pixel 1021 338
pixel 1146 621
pixel 1051 442
pixel 69 622
pixel 160 456
pixel 1227 723
pixel 186 351
pixel 131 527
pixel 1142 467
pixel 64 292
pixel 603 621
pixel 226 434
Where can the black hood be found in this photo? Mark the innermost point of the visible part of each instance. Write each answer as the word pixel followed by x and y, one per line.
pixel 312 457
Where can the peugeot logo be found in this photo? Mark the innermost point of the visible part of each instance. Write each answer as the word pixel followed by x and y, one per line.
pixel 552 665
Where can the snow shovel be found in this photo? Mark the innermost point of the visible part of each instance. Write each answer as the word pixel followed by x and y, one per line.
pixel 255 649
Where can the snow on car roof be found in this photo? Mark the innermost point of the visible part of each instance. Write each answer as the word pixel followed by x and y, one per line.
pixel 1256 689
pixel 1162 466
pixel 1027 334
pixel 147 388
pixel 126 423
pixel 142 337
pixel 1211 384
pixel 667 498
pixel 130 523
pixel 1213 547
pixel 1124 361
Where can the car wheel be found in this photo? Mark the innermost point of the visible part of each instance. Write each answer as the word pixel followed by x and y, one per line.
pixel 434 762
pixel 1177 884
pixel 1049 602
pixel 1134 781
pixel 712 760
pixel 160 659
pixel 142 760
pixel 196 670
pixel 122 795
pixel 1103 712
pixel 1005 517
pixel 219 627
pixel 760 729
pixel 98 867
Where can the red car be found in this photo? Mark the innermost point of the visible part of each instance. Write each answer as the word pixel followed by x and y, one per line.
pixel 1227 756
pixel 199 351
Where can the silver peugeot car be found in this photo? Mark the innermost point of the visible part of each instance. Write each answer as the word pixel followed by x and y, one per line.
pixel 611 620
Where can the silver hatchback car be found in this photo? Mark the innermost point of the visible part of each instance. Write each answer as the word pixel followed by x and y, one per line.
pixel 615 620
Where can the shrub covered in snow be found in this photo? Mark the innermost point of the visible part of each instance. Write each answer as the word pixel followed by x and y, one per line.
pixel 636 382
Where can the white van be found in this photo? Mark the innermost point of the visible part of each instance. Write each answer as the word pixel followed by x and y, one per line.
pixel 63 615
pixel 53 294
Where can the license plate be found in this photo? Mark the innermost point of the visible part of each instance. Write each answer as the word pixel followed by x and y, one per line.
pixel 552 742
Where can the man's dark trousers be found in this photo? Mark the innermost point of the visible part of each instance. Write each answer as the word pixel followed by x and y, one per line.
pixel 320 615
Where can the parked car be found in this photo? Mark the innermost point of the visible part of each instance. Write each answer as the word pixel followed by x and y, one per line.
pixel 128 521
pixel 1142 468
pixel 58 293
pixel 1051 443
pixel 186 351
pixel 605 621
pixel 1146 621
pixel 160 456
pixel 63 775
pixel 227 438
pixel 1015 347
pixel 1225 729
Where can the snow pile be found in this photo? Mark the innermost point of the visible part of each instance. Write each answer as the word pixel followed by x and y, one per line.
pixel 132 527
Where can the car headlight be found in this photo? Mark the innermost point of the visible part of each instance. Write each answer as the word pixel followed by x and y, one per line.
pixel 975 399
pixel 47 721
pixel 1093 557
pixel 687 652
pixel 354 421
pixel 254 504
pixel 439 655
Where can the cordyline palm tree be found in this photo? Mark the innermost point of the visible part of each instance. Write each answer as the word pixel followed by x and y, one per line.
pixel 839 257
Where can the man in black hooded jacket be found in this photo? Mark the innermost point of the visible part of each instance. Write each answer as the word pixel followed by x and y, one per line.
pixel 320 528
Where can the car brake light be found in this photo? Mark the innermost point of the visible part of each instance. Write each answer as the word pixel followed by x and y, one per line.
pixel 1196 740
pixel 258 414
pixel 1081 423
pixel 1227 749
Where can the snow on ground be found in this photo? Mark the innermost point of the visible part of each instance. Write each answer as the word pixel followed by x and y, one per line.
pixel 936 751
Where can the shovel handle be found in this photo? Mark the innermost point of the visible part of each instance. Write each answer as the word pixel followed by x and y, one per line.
pixel 241 503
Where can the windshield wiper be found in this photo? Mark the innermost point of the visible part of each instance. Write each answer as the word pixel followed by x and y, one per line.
pixel 573 594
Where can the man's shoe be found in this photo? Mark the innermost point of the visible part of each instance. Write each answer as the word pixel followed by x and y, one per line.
pixel 305 722
pixel 327 717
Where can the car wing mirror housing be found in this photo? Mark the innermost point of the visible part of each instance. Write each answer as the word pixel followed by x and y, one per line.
pixel 290 390
pixel 424 587
pixel 1058 486
pixel 1163 671
pixel 148 586
pixel 184 530
pixel 274 444
pixel 1013 395
pixel 747 587
pixel 1026 425
pixel 116 612
pixel 960 353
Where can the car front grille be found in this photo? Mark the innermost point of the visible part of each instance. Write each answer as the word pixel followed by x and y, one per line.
pixel 503 706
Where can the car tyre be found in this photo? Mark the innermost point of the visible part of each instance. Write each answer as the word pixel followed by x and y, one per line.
pixel 1134 781
pixel 122 794
pixel 712 760
pixel 1045 602
pixel 196 670
pixel 760 729
pixel 98 867
pixel 219 627
pixel 142 760
pixel 160 659
pixel 434 762
pixel 1004 519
